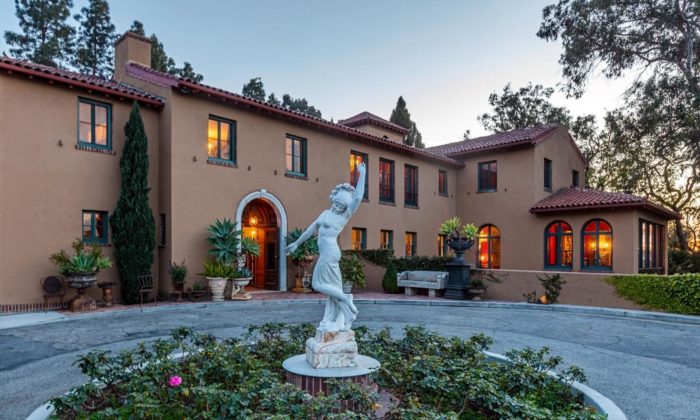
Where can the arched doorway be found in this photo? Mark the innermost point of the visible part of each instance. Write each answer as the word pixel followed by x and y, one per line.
pixel 262 214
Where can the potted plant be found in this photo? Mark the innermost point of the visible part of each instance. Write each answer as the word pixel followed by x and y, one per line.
pixel 197 291
pixel 241 278
pixel 303 258
pixel 225 240
pixel 178 274
pixel 217 274
pixel 81 271
pixel 459 237
pixel 352 270
pixel 249 248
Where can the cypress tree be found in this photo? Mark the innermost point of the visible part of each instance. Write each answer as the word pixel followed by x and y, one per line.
pixel 133 226
pixel 46 38
pixel 95 49
pixel 402 117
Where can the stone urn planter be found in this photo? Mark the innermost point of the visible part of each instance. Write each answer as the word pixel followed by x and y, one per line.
pixel 238 292
pixel 459 238
pixel 303 278
pixel 80 282
pixel 460 246
pixel 217 286
pixel 347 287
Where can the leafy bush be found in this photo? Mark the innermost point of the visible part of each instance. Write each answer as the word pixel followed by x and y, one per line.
pixel 352 270
pixel 382 258
pixel 682 262
pixel 431 377
pixel 678 293
pixel 389 281
pixel 552 286
pixel 178 272
pixel 307 249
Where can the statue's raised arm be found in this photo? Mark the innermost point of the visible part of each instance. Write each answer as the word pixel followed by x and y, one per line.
pixel 359 189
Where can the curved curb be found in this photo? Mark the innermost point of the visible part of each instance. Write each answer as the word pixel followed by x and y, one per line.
pixel 591 397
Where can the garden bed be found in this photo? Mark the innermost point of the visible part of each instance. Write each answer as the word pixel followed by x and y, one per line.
pixel 430 376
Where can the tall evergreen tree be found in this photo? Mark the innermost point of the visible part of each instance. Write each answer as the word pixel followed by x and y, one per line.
pixel 95 44
pixel 271 98
pixel 45 37
pixel 401 116
pixel 300 105
pixel 133 226
pixel 137 28
pixel 159 59
pixel 188 72
pixel 254 89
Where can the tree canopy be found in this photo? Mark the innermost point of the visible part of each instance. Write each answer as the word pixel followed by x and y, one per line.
pixel 401 116
pixel 46 37
pixel 255 89
pixel 95 44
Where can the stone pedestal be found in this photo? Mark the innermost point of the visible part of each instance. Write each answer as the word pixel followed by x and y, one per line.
pixel 313 381
pixel 458 281
pixel 327 349
pixel 82 303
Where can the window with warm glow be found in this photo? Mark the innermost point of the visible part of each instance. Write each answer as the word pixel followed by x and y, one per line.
pixel 410 244
pixel 359 239
pixel 221 142
pixel 651 247
pixel 386 180
pixel 295 155
pixel 95 226
pixel 410 185
pixel 488 176
pixel 597 246
pixel 488 251
pixel 386 239
pixel 355 159
pixel 94 123
pixel 442 182
pixel 558 246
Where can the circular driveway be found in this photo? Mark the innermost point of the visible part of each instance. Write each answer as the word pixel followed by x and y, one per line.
pixel 650 368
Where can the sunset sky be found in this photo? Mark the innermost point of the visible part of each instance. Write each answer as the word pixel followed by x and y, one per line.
pixel 444 57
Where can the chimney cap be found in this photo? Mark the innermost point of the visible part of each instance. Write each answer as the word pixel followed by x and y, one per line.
pixel 133 35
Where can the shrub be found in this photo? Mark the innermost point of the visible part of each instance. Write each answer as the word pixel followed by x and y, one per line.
pixel 178 272
pixel 682 262
pixel 552 286
pixel 380 257
pixel 678 293
pixel 352 270
pixel 431 377
pixel 421 263
pixel 389 282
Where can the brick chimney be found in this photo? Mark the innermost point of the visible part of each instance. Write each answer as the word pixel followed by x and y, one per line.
pixel 130 48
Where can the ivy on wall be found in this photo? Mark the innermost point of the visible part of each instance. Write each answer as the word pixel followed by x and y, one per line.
pixel 676 293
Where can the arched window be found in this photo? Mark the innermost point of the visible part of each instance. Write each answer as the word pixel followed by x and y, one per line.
pixel 597 245
pixel 558 246
pixel 489 247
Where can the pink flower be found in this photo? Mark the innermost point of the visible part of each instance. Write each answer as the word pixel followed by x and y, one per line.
pixel 174 381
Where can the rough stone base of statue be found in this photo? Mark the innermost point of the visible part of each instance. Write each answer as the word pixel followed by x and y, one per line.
pixel 331 349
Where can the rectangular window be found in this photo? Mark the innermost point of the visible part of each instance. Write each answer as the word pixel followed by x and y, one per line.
pixel 386 239
pixel 355 159
pixel 359 239
pixel 442 182
pixel 442 245
pixel 95 226
pixel 94 123
pixel 410 244
pixel 386 180
pixel 651 247
pixel 548 175
pixel 488 176
pixel 296 155
pixel 221 143
pixel 410 185
pixel 574 178
pixel 161 230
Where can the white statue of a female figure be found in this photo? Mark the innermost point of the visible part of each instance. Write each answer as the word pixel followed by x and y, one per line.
pixel 345 199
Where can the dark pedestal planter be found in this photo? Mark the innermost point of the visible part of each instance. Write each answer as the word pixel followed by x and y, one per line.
pixel 458 270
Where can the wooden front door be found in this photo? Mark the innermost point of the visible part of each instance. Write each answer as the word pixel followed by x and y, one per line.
pixel 271 259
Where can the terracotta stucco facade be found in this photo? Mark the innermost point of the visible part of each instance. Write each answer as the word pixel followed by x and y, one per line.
pixel 46 181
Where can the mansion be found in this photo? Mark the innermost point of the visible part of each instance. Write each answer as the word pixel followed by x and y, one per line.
pixel 217 154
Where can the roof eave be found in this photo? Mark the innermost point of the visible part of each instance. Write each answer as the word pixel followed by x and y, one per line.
pixel 670 215
pixel 81 84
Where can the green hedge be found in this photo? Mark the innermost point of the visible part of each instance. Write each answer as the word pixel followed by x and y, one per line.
pixel 676 293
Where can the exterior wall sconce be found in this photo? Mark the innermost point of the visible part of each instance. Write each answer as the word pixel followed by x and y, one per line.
pixel 194 158
pixel 60 143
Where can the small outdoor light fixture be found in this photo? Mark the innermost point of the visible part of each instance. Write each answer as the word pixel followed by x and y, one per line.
pixel 60 143
pixel 253 221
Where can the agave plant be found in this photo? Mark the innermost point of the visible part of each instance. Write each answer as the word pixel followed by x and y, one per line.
pixel 451 228
pixel 87 259
pixel 224 239
pixel 250 247
pixel 217 269
pixel 307 249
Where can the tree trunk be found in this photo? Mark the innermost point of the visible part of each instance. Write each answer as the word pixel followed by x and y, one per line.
pixel 681 236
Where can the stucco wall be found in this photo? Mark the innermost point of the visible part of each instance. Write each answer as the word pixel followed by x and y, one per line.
pixel 45 187
pixel 380 132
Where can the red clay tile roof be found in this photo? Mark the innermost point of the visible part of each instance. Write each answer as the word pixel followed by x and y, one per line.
pixel 95 83
pixel 187 86
pixel 495 141
pixel 369 118
pixel 575 198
